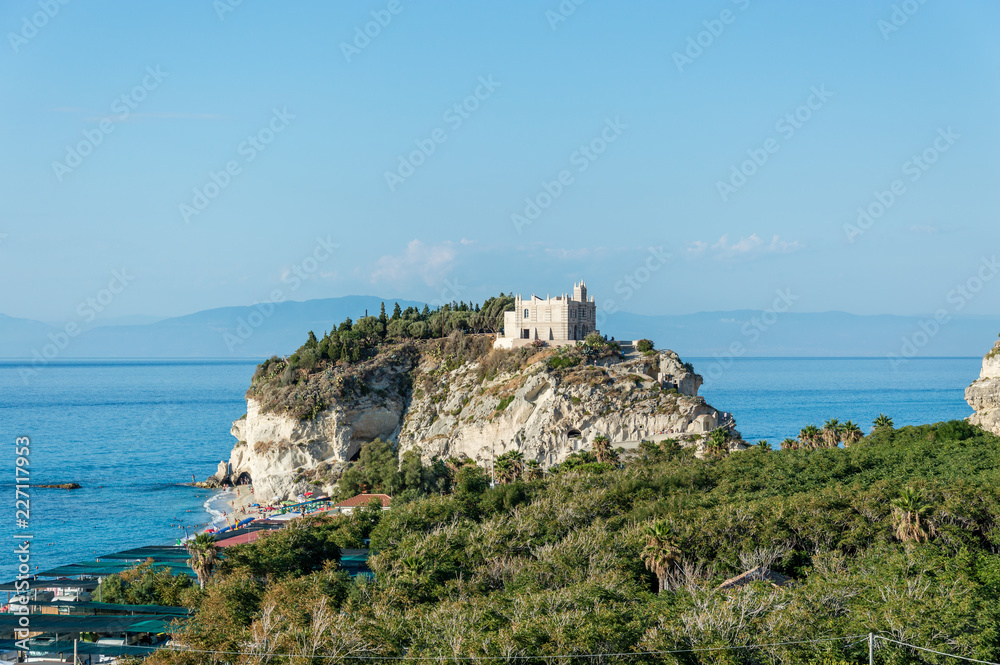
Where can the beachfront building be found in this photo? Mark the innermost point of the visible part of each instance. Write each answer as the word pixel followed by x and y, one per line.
pixel 557 321
pixel 347 507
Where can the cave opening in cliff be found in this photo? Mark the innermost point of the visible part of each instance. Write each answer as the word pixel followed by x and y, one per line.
pixel 574 433
pixel 244 479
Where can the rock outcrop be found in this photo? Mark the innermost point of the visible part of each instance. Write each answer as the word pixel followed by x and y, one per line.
pixel 543 402
pixel 983 395
pixel 549 413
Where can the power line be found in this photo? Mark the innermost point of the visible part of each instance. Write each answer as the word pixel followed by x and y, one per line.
pixel 940 653
pixel 863 638
pixel 526 657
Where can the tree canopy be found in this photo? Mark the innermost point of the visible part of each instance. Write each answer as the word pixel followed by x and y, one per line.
pixel 898 534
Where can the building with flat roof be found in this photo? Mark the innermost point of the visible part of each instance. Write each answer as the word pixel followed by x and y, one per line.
pixel 557 321
pixel 347 507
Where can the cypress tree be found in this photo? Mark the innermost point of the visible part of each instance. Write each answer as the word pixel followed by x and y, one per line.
pixel 383 321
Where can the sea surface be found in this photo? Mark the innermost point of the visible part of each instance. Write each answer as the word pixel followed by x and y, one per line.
pixel 773 398
pixel 131 432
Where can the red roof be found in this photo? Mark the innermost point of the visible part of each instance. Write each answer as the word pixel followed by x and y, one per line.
pixel 363 499
pixel 242 539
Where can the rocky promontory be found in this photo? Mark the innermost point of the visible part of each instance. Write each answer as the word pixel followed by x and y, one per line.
pixel 458 397
pixel 983 395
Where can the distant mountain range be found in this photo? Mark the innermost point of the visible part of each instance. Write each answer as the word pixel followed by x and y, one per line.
pixel 259 331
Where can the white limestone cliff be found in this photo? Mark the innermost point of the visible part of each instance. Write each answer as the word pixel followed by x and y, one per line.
pixel 441 411
pixel 548 414
pixel 983 395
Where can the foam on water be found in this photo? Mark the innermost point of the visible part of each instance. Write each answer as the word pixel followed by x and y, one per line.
pixel 218 504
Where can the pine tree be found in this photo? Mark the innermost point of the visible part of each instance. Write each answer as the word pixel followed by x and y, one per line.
pixel 396 312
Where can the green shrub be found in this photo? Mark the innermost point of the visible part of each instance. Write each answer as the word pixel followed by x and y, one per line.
pixel 563 361
pixel 556 566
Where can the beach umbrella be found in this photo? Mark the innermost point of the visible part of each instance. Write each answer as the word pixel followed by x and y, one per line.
pixel 308 494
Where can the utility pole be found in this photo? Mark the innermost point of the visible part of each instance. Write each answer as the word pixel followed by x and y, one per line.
pixel 871 648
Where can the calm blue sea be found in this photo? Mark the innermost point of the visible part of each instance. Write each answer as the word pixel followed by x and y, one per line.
pixel 773 398
pixel 131 431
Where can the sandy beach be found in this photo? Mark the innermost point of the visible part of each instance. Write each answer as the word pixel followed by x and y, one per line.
pixel 239 505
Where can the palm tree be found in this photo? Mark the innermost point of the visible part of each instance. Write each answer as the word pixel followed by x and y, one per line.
pixel 601 447
pixel 509 466
pixel 503 471
pixel 883 421
pixel 911 511
pixel 831 433
pixel 414 571
pixel 789 444
pixel 661 551
pixel 516 458
pixel 717 445
pixel 763 445
pixel 852 433
pixel 533 470
pixel 809 436
pixel 204 553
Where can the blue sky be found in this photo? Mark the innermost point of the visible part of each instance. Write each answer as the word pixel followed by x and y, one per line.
pixel 203 86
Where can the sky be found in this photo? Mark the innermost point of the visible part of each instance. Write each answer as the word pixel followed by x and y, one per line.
pixel 167 158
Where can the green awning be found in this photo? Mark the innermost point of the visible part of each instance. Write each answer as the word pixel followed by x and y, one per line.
pixel 68 623
pixel 65 647
pixel 113 607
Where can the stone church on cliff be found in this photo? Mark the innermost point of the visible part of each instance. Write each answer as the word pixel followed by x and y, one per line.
pixel 558 321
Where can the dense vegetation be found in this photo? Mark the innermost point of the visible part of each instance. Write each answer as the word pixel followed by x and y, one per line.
pixel 898 534
pixel 353 341
pixel 145 585
pixel 348 360
pixel 380 469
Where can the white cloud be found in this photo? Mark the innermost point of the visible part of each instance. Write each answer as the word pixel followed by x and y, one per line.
pixel 750 247
pixel 428 262
pixel 568 254
pixel 696 248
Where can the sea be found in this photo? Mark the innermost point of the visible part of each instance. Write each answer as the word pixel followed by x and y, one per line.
pixel 132 433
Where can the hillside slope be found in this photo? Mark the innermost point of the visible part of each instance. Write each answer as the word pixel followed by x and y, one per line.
pixel 898 535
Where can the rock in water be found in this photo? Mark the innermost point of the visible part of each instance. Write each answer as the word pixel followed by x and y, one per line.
pixel 222 473
pixel 984 393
